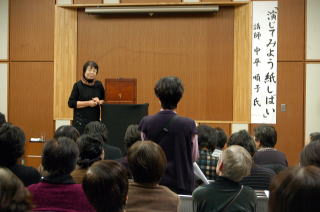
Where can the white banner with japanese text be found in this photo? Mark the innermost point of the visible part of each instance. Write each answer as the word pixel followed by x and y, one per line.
pixel 264 62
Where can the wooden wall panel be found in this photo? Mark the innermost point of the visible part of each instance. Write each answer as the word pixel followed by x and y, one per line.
pixel 290 124
pixel 291 32
pixel 150 1
pixel 197 48
pixel 31 97
pixel 87 1
pixel 31 30
pixel 242 63
pixel 65 53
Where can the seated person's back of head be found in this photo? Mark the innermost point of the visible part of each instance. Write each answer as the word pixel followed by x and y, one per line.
pixel 147 163
pixel 260 177
pixel 220 140
pixel 97 127
pixel 90 151
pixel 226 192
pixel 207 144
pixel 310 155
pixel 296 189
pixel 67 131
pixel 12 141
pixel 106 186
pixel 2 119
pixel 315 136
pixel 14 197
pixel 58 191
pixel 267 155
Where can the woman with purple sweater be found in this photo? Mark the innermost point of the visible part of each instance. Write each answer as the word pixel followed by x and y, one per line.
pixel 57 191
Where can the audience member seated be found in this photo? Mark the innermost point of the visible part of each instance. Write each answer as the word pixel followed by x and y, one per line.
pixel 147 163
pixel 221 139
pixel 131 136
pixel 12 140
pixel 14 197
pixel 259 177
pixel 2 119
pixel 106 186
pixel 315 136
pixel 91 150
pixel 97 127
pixel 296 189
pixel 206 142
pixel 267 155
pixel 67 131
pixel 57 191
pixel 226 193
pixel 310 155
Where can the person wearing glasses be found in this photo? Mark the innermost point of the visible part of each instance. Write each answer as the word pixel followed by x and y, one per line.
pixel 86 97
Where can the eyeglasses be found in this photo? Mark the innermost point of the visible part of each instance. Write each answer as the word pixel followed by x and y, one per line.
pixel 93 70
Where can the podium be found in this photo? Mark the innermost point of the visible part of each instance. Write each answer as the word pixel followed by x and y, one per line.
pixel 121 91
pixel 117 117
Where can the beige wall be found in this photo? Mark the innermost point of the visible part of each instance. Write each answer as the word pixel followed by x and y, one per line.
pixel 4 28
pixel 312 114
pixel 313 30
pixel 4 88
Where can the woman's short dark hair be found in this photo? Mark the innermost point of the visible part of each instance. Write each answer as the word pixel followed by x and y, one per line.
pixel 206 137
pixel 60 156
pixel 90 148
pixel 169 90
pixel 97 127
pixel 106 180
pixel 12 140
pixel 132 135
pixel 315 136
pixel 14 197
pixel 221 137
pixel 90 64
pixel 147 162
pixel 266 135
pixel 310 155
pixel 242 138
pixel 295 189
pixel 67 131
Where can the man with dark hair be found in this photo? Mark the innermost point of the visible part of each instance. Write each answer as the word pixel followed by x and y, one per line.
pixel 12 140
pixel 57 191
pixel 260 177
pixel 207 144
pixel 106 186
pixel 175 134
pixel 97 127
pixel 2 119
pixel 147 163
pixel 267 155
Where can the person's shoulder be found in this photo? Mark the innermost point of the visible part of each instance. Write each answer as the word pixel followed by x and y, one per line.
pixel 249 192
pixel 98 83
pixel 201 190
pixel 263 170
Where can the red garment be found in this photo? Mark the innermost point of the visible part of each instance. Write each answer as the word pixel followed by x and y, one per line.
pixel 59 197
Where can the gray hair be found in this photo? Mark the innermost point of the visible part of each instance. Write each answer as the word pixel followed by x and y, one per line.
pixel 237 163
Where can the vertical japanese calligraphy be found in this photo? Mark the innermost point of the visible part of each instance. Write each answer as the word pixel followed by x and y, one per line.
pixel 264 62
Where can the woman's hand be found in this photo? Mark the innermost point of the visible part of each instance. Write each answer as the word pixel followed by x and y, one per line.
pixel 92 103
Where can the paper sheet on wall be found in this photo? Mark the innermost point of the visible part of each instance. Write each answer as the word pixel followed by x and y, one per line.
pixel 264 62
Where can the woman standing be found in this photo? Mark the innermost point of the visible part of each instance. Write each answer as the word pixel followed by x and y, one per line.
pixel 86 97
